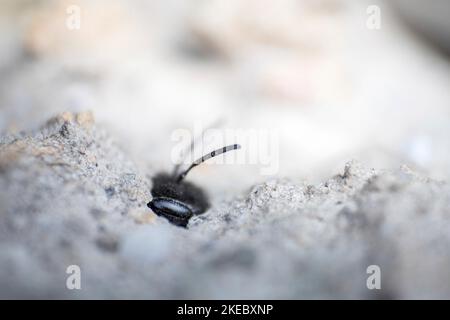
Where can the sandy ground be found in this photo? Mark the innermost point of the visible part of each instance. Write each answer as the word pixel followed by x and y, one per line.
pixel 311 71
pixel 74 189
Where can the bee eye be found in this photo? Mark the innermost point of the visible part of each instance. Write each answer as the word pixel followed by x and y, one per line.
pixel 173 210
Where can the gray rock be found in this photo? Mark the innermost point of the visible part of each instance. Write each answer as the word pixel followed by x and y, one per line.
pixel 70 196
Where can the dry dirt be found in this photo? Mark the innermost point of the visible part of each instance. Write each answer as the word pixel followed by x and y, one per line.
pixel 69 195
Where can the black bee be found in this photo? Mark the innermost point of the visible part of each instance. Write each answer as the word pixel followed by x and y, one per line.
pixel 178 200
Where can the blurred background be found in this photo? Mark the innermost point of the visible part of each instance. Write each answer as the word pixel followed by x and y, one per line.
pixel 332 83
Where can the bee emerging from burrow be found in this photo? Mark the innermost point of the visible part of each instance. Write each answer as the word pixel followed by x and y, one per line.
pixel 178 200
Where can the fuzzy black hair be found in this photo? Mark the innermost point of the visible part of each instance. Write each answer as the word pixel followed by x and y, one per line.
pixel 166 185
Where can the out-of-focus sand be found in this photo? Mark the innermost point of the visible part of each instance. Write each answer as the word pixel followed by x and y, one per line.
pixel 310 71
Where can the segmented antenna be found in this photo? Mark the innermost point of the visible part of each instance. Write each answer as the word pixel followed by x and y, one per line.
pixel 207 157
pixel 217 123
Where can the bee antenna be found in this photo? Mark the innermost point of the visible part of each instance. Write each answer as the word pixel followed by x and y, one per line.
pixel 217 123
pixel 207 157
